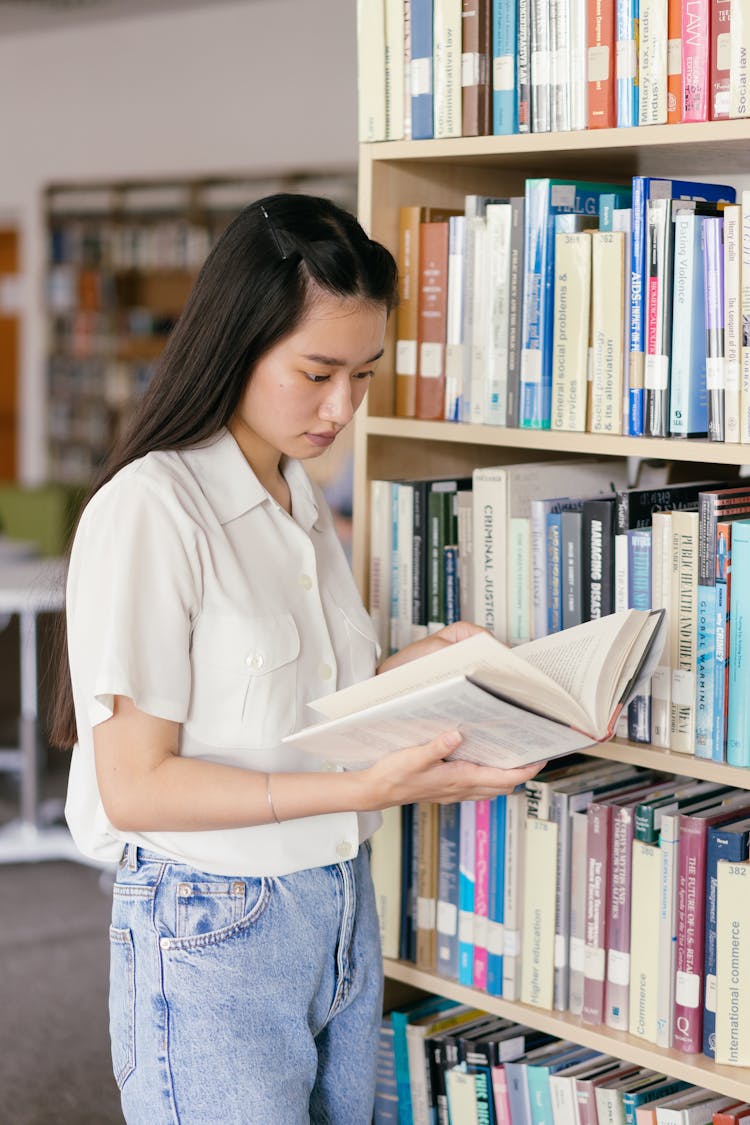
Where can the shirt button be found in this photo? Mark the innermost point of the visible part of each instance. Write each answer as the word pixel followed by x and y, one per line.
pixel 325 671
pixel 305 581
pixel 254 661
pixel 345 850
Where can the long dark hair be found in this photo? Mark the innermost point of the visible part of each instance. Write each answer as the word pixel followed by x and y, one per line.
pixel 252 291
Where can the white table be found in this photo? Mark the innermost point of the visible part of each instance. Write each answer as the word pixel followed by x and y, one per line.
pixel 29 587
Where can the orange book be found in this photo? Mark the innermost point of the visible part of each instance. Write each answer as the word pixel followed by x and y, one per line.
pixel 601 64
pixel 432 318
pixel 734 1115
pixel 674 62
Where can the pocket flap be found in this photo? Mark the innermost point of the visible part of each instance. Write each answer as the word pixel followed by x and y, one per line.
pixel 246 643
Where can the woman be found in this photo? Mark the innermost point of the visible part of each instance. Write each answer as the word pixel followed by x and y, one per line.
pixel 208 601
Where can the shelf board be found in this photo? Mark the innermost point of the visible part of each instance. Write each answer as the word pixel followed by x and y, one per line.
pixel 559 441
pixel 699 148
pixel 657 758
pixel 732 1081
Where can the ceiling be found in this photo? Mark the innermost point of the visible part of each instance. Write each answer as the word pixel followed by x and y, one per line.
pixel 22 16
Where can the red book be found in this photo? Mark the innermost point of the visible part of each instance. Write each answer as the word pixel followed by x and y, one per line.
pixel 691 917
pixel 500 1095
pixel 674 62
pixel 431 320
pixel 481 891
pixel 601 64
pixel 733 1115
pixel 719 61
pixel 696 37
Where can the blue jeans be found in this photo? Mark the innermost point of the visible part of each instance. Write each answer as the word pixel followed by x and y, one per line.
pixel 247 1001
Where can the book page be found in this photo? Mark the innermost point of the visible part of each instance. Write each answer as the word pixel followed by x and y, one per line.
pixel 495 732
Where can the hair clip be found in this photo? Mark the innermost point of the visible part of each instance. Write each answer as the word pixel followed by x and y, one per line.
pixel 274 235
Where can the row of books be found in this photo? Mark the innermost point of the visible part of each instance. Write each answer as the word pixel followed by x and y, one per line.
pixel 443 68
pixel 156 243
pixel 618 894
pixel 445 1063
pixel 495 549
pixel 580 307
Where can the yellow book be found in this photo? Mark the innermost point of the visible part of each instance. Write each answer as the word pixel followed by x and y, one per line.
pixel 733 963
pixel 644 949
pixel 571 330
pixel 607 330
pixel 540 889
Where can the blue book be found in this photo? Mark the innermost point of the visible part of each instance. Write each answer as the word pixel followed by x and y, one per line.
pixel 447 905
pixel 450 566
pixel 554 572
pixel 661 1087
pixel 407 937
pixel 644 189
pixel 611 201
pixel 730 842
pixel 538 1075
pixel 400 1020
pixel 738 708
pixel 544 199
pixel 626 88
pixel 639 597
pixel 420 72
pixel 721 642
pixel 496 900
pixel 688 399
pixel 385 1111
pixel 466 884
pixel 504 54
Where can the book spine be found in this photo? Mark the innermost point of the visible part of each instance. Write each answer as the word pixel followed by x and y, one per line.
pixel 537 235
pixel 404 547
pixel 420 532
pixel 667 928
pixel 514 892
pixel 732 321
pixel 597 886
pixel 674 62
pixel 617 984
pixel 537 962
pixel 719 59
pixel 371 70
pixel 447 68
pixel 644 951
pixel 495 903
pixel 721 640
pixel 407 947
pixel 394 70
pixel 684 581
pixel 499 225
pixel 578 64
pixel 554 573
pixel 560 66
pixel 504 40
pixel 578 884
pixel 607 281
pixel 386 1090
pixel 731 847
pixel 661 598
pixel 638 262
pixel 691 881
pixel 454 359
pixel 407 70
pixel 688 408
pixel 626 63
pixel 481 891
pixel 622 220
pixel 476 91
pixel 639 597
pixel 427 870
pixel 465 518
pixel 420 70
pixel 514 320
pixel 601 71
pixel 745 314
pixel 739 65
pixel 490 518
pixel 559 814
pixel 381 532
pixel 571 330
pixel 539 586
pixel 598 558
pixel 658 318
pixel 476 342
pixel 572 567
pixel 738 710
pixel 652 62
pixel 432 315
pixel 732 975
pixel 407 312
pixel 466 878
pixel 540 67
pixel 450 563
pixel 500 1096
pixel 524 66
pixel 447 891
pixel 713 267
pixel 695 59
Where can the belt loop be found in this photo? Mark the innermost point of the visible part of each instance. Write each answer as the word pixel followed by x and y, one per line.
pixel 132 850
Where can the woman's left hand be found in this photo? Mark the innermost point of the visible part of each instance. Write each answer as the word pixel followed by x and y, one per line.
pixel 449 635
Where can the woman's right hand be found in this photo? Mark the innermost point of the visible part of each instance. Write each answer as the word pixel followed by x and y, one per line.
pixel 421 773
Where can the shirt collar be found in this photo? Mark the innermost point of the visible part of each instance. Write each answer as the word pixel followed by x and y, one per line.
pixel 232 487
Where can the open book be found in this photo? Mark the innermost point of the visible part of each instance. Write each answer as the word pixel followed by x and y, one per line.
pixel 552 696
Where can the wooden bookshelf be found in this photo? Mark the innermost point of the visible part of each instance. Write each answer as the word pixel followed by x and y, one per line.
pixel 441 173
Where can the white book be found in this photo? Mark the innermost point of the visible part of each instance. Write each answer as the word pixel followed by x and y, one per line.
pixel 733 963
pixel 669 838
pixel 394 70
pixel 540 885
pixel 739 64
pixel 385 865
pixel 371 69
pixel 454 328
pixel 559 65
pixel 465 516
pixel 622 220
pixel 462 1095
pixel 446 47
pixel 499 218
pixel 477 344
pixel 381 538
pixel 732 321
pixel 578 57
pixel 540 66
pixel 607 335
pixel 745 317
pixel 645 885
pixel 571 330
pixel 404 554
pixel 661 598
pixel 683 632
pixel 693 1107
pixel 577 942
pixel 652 62
pixel 515 837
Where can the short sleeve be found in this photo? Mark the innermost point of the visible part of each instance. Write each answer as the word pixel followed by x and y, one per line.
pixel 131 598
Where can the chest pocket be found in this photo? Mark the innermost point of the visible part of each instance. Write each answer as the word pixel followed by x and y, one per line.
pixel 362 645
pixel 244 679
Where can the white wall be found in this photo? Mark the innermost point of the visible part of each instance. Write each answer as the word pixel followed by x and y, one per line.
pixel 249 86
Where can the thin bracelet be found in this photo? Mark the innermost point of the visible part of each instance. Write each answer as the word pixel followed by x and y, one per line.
pixel 269 798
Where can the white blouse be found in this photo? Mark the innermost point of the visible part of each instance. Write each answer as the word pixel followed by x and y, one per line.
pixel 192 592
